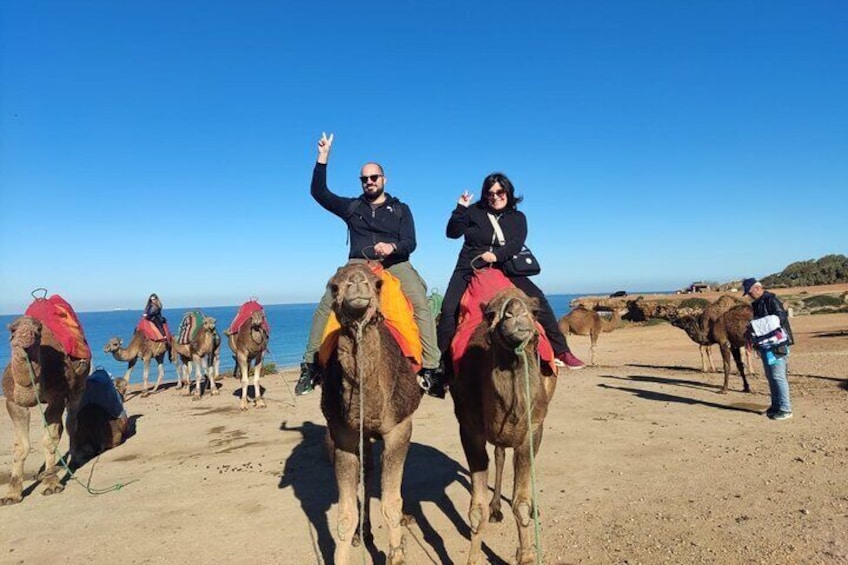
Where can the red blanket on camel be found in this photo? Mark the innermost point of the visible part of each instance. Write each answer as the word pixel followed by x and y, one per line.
pixel 62 321
pixel 246 311
pixel 150 330
pixel 484 285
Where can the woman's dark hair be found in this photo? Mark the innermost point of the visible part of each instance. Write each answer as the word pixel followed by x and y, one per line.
pixel 511 199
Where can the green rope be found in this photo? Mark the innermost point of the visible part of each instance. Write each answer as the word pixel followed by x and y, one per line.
pixel 363 491
pixel 520 351
pixel 87 486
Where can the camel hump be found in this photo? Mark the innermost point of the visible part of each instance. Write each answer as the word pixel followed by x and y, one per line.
pixel 62 321
pixel 246 312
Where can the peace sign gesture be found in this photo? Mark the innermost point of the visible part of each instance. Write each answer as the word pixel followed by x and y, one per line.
pixel 324 145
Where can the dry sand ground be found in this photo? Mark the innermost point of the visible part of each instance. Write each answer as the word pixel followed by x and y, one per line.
pixel 642 462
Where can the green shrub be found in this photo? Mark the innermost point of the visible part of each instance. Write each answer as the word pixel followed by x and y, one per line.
pixel 700 303
pixel 821 300
pixel 830 310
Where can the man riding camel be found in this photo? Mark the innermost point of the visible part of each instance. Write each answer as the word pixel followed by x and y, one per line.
pixel 381 228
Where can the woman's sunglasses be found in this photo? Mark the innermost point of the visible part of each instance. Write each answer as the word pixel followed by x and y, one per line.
pixel 366 178
pixel 495 194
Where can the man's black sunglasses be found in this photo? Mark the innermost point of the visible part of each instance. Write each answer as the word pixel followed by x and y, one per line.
pixel 373 178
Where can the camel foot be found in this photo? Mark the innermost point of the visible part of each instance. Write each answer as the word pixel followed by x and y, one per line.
pixel 397 555
pixel 214 390
pixel 53 488
pixel 145 394
pixel 723 391
pixel 260 403
pixel 196 397
pixel 11 499
pixel 495 517
pixel 525 557
pixel 243 406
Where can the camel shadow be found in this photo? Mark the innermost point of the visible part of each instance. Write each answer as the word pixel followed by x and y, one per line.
pixel 837 333
pixel 686 383
pixel 663 397
pixel 664 367
pixel 251 393
pixel 427 475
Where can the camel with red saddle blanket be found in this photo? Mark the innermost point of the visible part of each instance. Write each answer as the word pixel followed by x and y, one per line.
pixel 146 343
pixel 50 361
pixel 248 340
pixel 368 381
pixel 501 362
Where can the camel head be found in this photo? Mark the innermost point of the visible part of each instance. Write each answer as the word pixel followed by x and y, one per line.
pixel 121 386
pixel 112 345
pixel 25 335
pixel 356 294
pixel 692 326
pixel 209 322
pixel 511 316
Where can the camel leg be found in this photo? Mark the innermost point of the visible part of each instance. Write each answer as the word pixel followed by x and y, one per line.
pixel 20 450
pixel 130 365
pixel 50 443
pixel 522 500
pixel 495 514
pixel 710 358
pixel 592 345
pixel 474 445
pixel 160 362
pixel 245 379
pixel 198 380
pixel 737 357
pixel 752 368
pixel 396 447
pixel 347 478
pixel 725 358
pixel 144 375
pixel 704 350
pixel 71 423
pixel 257 392
pixel 210 375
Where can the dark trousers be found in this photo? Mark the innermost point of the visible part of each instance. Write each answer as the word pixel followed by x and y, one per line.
pixel 456 288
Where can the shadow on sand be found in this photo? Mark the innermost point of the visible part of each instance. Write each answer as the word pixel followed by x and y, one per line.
pixel 427 475
pixel 663 397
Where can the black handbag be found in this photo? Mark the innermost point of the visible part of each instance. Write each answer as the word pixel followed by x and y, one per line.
pixel 524 264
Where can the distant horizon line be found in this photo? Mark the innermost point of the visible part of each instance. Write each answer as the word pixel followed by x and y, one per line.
pixel 121 309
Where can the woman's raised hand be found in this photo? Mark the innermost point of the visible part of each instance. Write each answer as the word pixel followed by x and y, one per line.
pixel 465 199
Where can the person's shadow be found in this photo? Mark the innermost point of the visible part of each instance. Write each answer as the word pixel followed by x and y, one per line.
pixel 427 475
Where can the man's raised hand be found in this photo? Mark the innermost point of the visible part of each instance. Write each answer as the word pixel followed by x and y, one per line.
pixel 324 145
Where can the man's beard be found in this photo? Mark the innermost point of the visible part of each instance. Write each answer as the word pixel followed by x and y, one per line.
pixel 372 196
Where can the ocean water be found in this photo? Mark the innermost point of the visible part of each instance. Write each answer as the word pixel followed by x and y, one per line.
pixel 289 330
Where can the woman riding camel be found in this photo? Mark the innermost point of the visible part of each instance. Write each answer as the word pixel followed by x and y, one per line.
pixel 476 223
pixel 153 313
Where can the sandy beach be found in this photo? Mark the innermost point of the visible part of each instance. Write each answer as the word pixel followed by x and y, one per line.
pixel 643 461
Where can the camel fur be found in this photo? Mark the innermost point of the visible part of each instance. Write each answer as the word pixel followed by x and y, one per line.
pixel 368 368
pixel 38 357
pixel 146 349
pixel 248 346
pixel 491 405
pixel 582 321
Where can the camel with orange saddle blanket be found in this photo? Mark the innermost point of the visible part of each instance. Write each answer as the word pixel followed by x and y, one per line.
pixel 147 343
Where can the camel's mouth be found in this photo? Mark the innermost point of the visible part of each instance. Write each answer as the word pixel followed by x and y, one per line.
pixel 357 302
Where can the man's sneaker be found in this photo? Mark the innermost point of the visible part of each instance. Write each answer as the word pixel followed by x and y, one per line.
pixel 430 380
pixel 305 383
pixel 780 415
pixel 569 361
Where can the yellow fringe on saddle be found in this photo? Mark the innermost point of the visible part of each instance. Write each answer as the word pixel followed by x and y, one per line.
pixel 398 312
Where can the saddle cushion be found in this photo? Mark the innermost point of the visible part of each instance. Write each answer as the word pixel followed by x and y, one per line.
pixel 62 321
pixel 189 326
pixel 245 312
pixel 484 285
pixel 151 332
pixel 398 315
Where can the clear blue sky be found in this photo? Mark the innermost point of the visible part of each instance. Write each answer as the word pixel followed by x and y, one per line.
pixel 168 146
